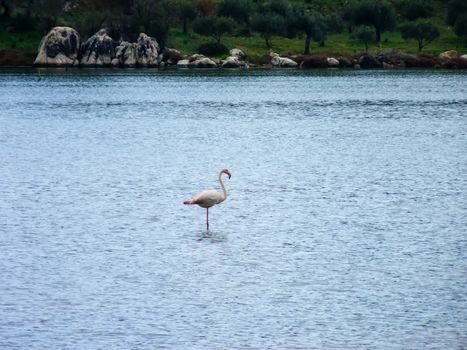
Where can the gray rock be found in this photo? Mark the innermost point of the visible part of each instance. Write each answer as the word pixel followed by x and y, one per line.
pixel 171 56
pixel 448 55
pixel 367 61
pixel 463 57
pixel 125 55
pixel 231 62
pixel 241 56
pixel 183 64
pixel 344 62
pixel 147 51
pixel 60 47
pixel 201 61
pixel 98 50
pixel 282 62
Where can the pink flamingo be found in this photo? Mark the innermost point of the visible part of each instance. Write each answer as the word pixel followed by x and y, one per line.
pixel 208 198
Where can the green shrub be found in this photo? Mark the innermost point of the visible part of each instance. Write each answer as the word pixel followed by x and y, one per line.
pixel 213 49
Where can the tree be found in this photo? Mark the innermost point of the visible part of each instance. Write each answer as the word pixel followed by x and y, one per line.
pixel 280 7
pixel 5 8
pixel 300 22
pixel 422 31
pixel 348 17
pixel 186 11
pixel 365 35
pixel 268 25
pixel 321 30
pixel 213 26
pixel 460 27
pixel 455 9
pixel 150 17
pixel 239 10
pixel 457 17
pixel 47 12
pixel 379 15
pixel 415 9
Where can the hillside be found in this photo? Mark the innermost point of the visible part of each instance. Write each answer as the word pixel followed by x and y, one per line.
pixel 174 24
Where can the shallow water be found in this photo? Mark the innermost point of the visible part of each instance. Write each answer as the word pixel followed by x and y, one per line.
pixel 345 226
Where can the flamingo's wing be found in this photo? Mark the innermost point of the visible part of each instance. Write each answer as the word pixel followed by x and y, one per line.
pixel 207 198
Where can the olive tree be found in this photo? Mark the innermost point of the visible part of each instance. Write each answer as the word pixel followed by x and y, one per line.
pixel 186 12
pixel 415 9
pixel 377 14
pixel 268 25
pixel 364 35
pixel 457 17
pixel 212 26
pixel 422 31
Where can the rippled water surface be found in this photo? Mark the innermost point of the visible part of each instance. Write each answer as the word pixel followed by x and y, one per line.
pixel 345 228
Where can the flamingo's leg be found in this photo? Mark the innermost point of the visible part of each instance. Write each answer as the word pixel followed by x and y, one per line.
pixel 207 219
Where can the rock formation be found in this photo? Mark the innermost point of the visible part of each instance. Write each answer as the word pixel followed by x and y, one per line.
pixel 241 56
pixel 282 62
pixel 448 55
pixel 125 55
pixel 171 56
pixel 368 61
pixel 98 50
pixel 345 62
pixel 235 60
pixel 183 64
pixel 316 61
pixel 201 61
pixel 333 62
pixel 147 51
pixel 60 47
pixel 231 62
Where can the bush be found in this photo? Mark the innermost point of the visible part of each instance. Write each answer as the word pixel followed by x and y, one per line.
pixel 213 49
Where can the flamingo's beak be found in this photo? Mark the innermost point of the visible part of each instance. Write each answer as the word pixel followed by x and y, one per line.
pixel 229 174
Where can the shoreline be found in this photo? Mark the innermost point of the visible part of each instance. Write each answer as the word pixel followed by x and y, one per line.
pixel 383 61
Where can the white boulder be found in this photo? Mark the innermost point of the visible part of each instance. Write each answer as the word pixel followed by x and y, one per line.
pixel 282 62
pixel 333 62
pixel 60 47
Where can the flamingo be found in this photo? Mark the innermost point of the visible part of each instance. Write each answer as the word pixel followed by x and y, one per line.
pixel 208 198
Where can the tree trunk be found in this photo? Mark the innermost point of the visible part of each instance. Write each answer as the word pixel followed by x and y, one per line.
pixel 6 9
pixel 420 45
pixel 307 45
pixel 184 26
pixel 268 43
pixel 378 36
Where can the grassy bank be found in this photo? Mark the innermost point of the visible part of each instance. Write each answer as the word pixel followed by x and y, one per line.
pixel 27 42
pixel 337 44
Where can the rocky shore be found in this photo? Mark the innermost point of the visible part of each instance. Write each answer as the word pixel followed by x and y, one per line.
pixel 62 47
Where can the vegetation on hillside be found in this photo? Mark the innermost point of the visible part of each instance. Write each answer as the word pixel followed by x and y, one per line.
pixel 256 26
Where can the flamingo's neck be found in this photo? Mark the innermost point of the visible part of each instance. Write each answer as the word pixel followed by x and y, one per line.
pixel 224 191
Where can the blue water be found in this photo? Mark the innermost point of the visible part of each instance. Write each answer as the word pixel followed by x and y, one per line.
pixel 345 226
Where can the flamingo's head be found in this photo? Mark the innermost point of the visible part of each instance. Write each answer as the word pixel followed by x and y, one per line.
pixel 227 171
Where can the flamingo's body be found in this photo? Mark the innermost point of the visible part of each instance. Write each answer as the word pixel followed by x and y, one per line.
pixel 209 198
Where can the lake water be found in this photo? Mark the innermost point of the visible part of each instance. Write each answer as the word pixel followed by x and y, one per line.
pixel 345 226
